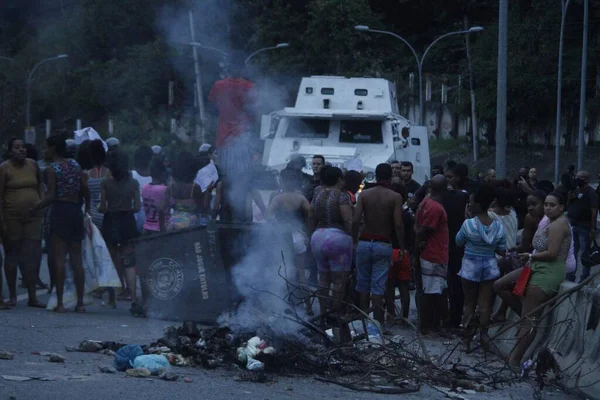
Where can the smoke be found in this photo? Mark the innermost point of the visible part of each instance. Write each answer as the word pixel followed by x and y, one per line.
pixel 259 287
pixel 260 279
pixel 215 28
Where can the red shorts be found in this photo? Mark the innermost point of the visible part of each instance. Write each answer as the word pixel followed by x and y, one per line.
pixel 400 269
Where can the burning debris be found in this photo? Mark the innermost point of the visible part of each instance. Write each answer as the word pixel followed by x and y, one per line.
pixel 259 355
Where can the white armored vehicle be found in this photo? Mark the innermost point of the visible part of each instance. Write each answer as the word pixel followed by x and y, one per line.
pixel 345 119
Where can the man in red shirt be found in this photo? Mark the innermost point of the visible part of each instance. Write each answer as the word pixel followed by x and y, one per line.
pixel 235 97
pixel 432 245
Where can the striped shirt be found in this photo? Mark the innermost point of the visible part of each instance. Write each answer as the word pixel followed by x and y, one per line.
pixel 481 240
pixel 509 222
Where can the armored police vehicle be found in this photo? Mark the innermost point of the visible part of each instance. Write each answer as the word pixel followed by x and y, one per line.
pixel 349 121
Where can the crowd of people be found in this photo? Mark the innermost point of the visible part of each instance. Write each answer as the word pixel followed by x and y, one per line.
pixel 462 241
pixel 51 204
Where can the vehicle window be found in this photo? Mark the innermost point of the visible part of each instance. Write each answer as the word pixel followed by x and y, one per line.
pixel 361 92
pixel 308 128
pixel 352 131
pixel 327 90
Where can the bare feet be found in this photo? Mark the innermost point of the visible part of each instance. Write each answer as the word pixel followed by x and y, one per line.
pixel 60 309
pixel 11 303
pixel 80 309
pixel 36 304
pixel 3 305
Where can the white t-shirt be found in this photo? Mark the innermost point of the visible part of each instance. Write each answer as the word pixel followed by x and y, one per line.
pixel 140 216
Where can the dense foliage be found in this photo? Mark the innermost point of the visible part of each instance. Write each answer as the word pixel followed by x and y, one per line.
pixel 122 55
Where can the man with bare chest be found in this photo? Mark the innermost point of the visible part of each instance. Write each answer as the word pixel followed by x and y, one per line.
pixel 382 210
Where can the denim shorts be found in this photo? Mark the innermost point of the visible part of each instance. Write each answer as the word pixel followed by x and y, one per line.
pixel 373 261
pixel 479 269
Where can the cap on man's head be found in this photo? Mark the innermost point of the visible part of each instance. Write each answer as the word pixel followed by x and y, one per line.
pixel 205 148
pixel 298 160
pixel 112 142
pixel 157 150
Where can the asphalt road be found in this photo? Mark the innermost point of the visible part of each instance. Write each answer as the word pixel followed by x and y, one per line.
pixel 25 331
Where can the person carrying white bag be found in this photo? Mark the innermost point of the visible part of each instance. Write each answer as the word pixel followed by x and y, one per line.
pixel 98 266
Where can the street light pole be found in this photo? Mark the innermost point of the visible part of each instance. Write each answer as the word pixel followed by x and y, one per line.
pixel 203 46
pixel 581 140
pixel 502 85
pixel 28 79
pixel 200 131
pixel 279 46
pixel 364 28
pixel 564 8
pixel 28 86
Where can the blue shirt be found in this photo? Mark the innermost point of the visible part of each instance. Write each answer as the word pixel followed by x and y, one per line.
pixel 481 240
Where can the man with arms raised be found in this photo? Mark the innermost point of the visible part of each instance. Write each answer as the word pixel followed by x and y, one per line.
pixel 382 209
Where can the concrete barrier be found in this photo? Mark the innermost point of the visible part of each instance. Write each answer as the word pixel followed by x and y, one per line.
pixel 572 331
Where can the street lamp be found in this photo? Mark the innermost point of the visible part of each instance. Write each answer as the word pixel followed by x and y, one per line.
pixel 279 46
pixel 28 81
pixel 28 85
pixel 364 28
pixel 196 44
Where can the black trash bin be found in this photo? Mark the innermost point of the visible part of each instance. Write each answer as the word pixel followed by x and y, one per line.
pixel 187 272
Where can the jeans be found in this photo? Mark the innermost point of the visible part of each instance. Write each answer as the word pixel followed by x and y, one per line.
pixel 373 261
pixel 581 241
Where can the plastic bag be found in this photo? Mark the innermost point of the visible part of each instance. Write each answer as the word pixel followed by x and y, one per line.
pixel 522 281
pixel 98 267
pixel 591 256
pixel 153 362
pixel 255 365
pixel 125 356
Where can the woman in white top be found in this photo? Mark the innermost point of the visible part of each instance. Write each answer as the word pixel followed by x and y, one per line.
pixel 141 161
pixel 503 211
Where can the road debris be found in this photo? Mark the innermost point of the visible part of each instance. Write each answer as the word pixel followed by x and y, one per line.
pixel 15 378
pixel 90 346
pixel 6 355
pixel 393 365
pixel 108 369
pixel 168 376
pixel 56 358
pixel 139 372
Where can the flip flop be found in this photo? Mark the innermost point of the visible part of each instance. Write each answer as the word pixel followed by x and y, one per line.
pixel 37 304
pixel 41 284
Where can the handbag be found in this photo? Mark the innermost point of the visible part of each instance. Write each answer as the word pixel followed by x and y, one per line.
pixel 591 256
pixel 522 280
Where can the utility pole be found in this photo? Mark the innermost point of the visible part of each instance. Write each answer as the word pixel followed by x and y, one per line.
pixel 564 6
pixel 200 121
pixel 474 129
pixel 501 91
pixel 581 141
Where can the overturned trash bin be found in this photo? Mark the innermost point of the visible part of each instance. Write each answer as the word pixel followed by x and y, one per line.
pixel 187 272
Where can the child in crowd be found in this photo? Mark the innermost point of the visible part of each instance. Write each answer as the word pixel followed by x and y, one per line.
pixel 153 195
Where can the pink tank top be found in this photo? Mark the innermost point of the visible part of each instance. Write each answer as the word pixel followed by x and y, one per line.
pixel 152 198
